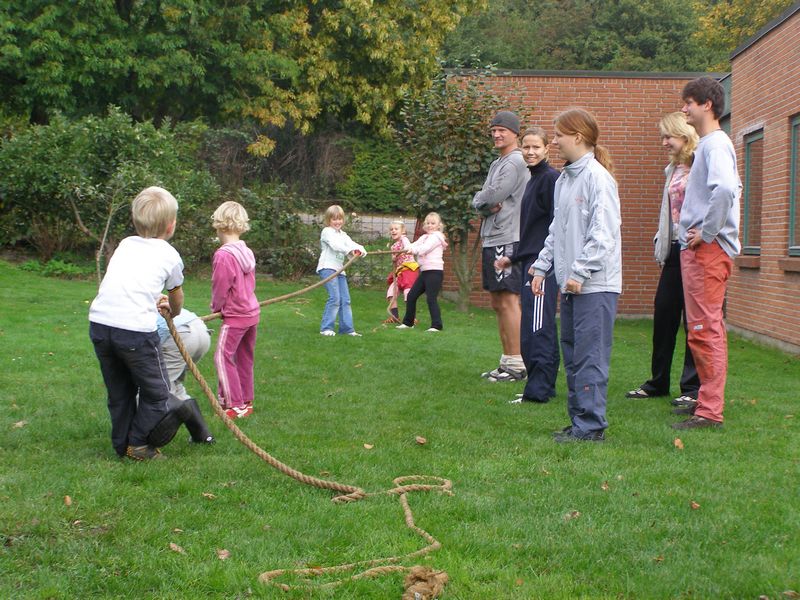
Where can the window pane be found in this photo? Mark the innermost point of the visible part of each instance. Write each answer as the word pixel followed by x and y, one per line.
pixel 794 234
pixel 754 185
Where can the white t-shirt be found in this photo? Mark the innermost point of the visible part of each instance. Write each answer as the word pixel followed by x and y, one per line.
pixel 139 271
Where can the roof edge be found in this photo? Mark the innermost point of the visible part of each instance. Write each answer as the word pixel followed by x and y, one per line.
pixel 774 24
pixel 600 74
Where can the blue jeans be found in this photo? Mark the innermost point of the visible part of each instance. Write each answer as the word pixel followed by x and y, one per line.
pixel 338 303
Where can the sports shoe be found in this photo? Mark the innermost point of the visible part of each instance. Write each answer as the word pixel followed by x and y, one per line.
pixel 492 373
pixel 404 326
pixel 522 399
pixel 684 401
pixel 432 330
pixel 236 412
pixel 637 393
pixel 353 334
pixel 563 437
pixel 504 374
pixel 695 422
pixel 145 452
pixel 328 333
pixel 684 410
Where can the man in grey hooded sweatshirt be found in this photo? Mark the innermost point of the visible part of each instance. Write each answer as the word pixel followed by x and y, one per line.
pixel 499 203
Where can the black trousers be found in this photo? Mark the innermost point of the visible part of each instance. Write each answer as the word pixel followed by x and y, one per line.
pixel 668 313
pixel 131 363
pixel 539 337
pixel 429 283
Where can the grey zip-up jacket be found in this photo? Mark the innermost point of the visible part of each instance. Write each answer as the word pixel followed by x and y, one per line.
pixel 505 184
pixel 584 241
pixel 663 239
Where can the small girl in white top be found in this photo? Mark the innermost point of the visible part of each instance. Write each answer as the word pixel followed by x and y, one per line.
pixel 335 244
pixel 429 250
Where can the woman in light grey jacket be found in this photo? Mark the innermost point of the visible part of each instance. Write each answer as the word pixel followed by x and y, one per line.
pixel 679 139
pixel 584 248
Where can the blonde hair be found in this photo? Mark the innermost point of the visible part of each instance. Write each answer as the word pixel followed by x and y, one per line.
pixel 675 125
pixel 332 212
pixel 542 135
pixel 438 219
pixel 400 223
pixel 231 216
pixel 578 120
pixel 153 211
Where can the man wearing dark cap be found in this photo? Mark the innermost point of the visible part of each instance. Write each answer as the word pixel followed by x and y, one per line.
pixel 498 203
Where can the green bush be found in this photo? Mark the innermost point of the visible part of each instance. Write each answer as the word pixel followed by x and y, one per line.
pixel 63 183
pixel 58 268
pixel 284 245
pixel 374 181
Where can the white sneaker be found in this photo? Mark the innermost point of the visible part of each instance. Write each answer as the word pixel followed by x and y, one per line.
pixel 433 329
pixel 404 326
pixel 328 333
pixel 516 401
pixel 353 334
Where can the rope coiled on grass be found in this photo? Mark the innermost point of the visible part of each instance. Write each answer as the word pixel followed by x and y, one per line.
pixel 345 493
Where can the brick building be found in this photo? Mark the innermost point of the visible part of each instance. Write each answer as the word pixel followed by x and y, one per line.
pixel 765 129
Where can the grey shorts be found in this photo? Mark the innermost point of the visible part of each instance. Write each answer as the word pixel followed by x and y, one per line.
pixel 507 280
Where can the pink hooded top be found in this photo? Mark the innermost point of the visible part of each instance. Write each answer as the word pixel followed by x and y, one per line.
pixel 429 250
pixel 233 285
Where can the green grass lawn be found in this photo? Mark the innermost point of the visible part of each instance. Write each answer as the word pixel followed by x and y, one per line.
pixel 528 518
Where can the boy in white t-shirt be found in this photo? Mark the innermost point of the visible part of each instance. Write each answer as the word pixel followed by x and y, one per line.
pixel 122 324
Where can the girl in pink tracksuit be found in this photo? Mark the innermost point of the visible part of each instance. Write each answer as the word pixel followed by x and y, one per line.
pixel 233 284
pixel 429 251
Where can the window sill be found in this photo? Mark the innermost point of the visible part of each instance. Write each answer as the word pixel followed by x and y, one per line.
pixel 748 262
pixel 791 265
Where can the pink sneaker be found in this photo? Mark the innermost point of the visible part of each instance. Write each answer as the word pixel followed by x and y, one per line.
pixel 236 412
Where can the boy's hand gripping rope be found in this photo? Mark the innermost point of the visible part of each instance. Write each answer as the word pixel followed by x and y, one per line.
pixel 347 493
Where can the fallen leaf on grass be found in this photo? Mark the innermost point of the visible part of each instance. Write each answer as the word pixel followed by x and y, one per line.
pixel 357 366
pixel 790 594
pixel 175 548
pixel 604 486
pixel 77 522
pixel 222 554
pixel 67 501
pixel 519 582
pixel 678 443
pixel 574 514
pixel 209 496
pixel 694 505
pixel 177 530
pixel 421 440
pixel 659 558
pixel 368 446
pixel 324 473
pixel 20 424
pixel 545 471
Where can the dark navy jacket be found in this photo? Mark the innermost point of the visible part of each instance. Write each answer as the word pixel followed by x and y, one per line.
pixel 536 212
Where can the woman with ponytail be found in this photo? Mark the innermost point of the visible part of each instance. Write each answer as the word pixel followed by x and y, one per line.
pixel 583 247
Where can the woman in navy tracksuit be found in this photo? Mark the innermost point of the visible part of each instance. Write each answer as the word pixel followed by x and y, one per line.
pixel 538 333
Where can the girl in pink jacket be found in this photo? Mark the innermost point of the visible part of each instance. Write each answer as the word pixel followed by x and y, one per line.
pixel 429 251
pixel 233 284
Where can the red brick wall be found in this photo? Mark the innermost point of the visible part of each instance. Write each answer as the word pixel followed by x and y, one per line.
pixel 628 109
pixel 764 291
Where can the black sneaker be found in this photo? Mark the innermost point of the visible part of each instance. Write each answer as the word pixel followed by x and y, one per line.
pixel 696 422
pixel 684 410
pixel 564 437
pixel 684 400
pixel 144 453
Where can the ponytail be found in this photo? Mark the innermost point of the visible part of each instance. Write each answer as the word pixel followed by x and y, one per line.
pixel 603 156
